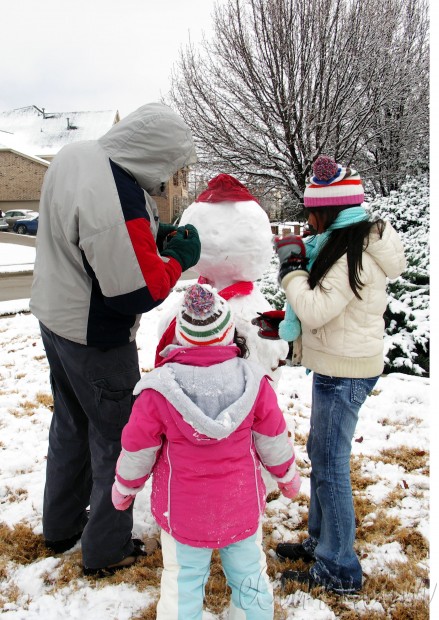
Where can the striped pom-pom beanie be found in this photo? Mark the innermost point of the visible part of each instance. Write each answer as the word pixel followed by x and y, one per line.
pixel 333 185
pixel 204 318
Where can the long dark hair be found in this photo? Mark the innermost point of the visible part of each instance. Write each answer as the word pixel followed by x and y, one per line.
pixel 352 241
pixel 241 343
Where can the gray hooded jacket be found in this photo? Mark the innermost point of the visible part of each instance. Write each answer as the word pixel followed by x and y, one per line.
pixel 97 267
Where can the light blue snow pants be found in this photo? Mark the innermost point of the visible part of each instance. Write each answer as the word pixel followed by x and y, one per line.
pixel 186 570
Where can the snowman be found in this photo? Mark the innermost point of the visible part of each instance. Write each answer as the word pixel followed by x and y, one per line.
pixel 236 249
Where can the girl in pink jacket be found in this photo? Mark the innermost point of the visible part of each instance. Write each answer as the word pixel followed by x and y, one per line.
pixel 202 424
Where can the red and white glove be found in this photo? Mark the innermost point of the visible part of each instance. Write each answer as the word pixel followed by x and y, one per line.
pixel 292 255
pixel 268 323
pixel 120 502
pixel 290 489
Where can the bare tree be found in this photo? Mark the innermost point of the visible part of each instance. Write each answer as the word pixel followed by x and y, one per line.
pixel 397 141
pixel 283 81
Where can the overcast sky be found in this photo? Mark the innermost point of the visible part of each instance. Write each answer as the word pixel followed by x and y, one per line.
pixel 71 55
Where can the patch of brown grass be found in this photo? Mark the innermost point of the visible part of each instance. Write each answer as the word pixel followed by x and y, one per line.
pixel 280 612
pixel 14 495
pixel 303 466
pixel 383 530
pixel 145 573
pixel 359 479
pixel 394 498
pixel 300 439
pixel 70 569
pixel 272 496
pixel 413 610
pixel 148 613
pixel 302 500
pixel 18 414
pixel 413 543
pixel 10 595
pixel 44 399
pixel 28 406
pixel 21 545
pixel 411 459
pixel 217 592
pixel 404 587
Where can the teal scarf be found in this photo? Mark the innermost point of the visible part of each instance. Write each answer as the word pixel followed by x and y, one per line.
pixel 290 328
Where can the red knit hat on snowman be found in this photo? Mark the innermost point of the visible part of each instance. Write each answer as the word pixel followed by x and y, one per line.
pixel 225 188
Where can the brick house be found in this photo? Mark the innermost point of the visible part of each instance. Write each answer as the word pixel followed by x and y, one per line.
pixel 30 137
pixel 21 176
pixel 175 199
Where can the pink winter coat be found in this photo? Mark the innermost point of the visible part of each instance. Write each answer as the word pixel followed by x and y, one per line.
pixel 202 424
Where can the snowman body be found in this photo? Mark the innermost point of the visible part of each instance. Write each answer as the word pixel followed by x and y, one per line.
pixel 236 247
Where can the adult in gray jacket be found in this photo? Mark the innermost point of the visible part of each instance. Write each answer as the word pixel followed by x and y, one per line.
pixel 100 264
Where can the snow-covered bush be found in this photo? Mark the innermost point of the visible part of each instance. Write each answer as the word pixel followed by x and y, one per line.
pixel 407 335
pixel 407 339
pixel 269 286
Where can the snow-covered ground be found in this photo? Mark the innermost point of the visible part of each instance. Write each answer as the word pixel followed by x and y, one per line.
pixel 15 258
pixel 392 436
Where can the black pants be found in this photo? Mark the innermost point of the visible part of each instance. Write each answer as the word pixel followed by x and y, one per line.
pixel 92 392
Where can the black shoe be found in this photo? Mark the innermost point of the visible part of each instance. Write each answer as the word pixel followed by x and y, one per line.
pixel 293 551
pixel 140 549
pixel 59 546
pixel 304 577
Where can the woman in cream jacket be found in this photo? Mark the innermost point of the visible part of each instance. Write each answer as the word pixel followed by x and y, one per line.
pixel 336 286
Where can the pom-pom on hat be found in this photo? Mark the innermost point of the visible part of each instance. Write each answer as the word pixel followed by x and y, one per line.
pixel 333 185
pixel 225 188
pixel 204 318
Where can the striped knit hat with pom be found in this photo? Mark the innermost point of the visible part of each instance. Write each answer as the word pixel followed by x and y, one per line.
pixel 333 185
pixel 204 318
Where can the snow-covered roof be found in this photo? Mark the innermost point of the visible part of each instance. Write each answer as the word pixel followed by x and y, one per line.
pixel 35 131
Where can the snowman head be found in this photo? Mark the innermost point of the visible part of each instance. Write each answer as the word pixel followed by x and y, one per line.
pixel 234 230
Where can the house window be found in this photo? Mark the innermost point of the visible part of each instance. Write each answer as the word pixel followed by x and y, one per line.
pixel 184 177
pixel 176 206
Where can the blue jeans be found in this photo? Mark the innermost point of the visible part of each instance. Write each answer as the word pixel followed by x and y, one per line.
pixel 331 523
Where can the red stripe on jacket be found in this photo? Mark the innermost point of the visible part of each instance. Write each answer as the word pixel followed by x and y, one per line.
pixel 159 276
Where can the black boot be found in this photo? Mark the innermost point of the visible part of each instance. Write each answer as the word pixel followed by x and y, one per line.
pixel 59 546
pixel 294 551
pixel 140 549
pixel 331 585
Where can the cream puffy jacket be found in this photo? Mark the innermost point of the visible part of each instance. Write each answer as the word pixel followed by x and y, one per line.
pixel 342 336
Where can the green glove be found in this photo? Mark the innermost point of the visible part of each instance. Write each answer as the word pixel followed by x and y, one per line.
pixel 163 231
pixel 184 246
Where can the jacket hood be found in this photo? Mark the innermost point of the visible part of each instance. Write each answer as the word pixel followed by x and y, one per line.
pixel 212 399
pixel 387 251
pixel 151 143
pixel 197 356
